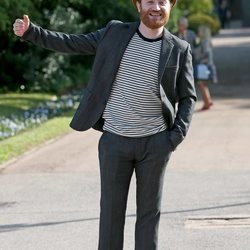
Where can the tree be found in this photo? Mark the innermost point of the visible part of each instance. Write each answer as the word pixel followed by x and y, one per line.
pixel 42 70
pixel 193 6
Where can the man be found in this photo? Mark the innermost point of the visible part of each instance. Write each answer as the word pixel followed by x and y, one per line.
pixel 185 33
pixel 139 74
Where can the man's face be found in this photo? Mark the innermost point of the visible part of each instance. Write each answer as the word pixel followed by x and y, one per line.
pixel 182 27
pixel 154 13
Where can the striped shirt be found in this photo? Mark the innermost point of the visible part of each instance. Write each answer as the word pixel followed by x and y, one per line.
pixel 134 107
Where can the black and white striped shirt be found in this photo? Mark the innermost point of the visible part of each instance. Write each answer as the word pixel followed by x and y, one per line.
pixel 134 107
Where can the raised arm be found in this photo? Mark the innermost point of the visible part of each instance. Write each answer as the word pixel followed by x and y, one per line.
pixel 57 41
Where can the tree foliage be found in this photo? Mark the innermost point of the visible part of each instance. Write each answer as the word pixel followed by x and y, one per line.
pixel 42 70
pixel 193 6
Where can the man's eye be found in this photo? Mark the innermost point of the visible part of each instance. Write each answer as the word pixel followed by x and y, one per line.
pixel 163 2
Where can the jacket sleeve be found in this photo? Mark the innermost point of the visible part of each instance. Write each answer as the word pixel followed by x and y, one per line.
pixel 65 43
pixel 186 100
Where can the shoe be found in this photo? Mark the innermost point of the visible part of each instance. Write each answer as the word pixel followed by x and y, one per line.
pixel 206 107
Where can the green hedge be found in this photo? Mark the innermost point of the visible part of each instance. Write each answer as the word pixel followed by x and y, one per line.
pixel 211 21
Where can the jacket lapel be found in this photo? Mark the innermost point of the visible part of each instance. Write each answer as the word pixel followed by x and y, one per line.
pixel 122 41
pixel 166 49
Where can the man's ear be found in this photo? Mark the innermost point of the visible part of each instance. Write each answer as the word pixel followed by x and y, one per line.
pixel 173 3
pixel 138 6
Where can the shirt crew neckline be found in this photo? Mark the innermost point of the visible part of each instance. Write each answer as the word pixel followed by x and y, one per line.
pixel 147 39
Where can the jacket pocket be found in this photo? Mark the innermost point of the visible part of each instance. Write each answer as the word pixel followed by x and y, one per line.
pixel 170 76
pixel 172 67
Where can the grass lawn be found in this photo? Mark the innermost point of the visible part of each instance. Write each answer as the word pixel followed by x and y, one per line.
pixel 16 103
pixel 19 144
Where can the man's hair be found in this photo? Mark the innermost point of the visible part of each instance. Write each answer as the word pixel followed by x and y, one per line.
pixel 171 1
pixel 183 21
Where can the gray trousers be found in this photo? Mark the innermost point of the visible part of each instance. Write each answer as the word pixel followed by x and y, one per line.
pixel 119 156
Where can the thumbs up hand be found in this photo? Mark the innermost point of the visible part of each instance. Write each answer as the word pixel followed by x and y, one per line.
pixel 21 25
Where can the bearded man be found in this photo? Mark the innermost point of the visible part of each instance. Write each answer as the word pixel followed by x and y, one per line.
pixel 140 73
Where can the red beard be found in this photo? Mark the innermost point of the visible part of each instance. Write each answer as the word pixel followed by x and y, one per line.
pixel 153 22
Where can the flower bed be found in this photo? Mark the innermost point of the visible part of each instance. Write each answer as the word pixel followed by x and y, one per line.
pixel 12 125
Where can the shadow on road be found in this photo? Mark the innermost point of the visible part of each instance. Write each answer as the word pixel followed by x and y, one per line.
pixel 16 227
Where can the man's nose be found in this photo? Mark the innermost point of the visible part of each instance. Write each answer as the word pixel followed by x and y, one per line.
pixel 156 6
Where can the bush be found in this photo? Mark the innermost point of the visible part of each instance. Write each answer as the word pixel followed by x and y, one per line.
pixel 176 13
pixel 190 7
pixel 198 19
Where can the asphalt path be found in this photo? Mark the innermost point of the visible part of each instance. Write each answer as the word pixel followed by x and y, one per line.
pixel 49 197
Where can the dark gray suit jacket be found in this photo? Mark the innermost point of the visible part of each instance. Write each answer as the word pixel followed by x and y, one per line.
pixel 108 45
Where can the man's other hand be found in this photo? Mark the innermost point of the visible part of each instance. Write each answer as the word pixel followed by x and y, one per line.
pixel 20 26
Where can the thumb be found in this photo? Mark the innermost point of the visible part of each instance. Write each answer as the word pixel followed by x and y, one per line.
pixel 26 21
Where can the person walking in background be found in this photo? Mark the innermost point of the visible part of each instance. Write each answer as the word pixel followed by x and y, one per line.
pixel 224 14
pixel 184 33
pixel 139 74
pixel 203 55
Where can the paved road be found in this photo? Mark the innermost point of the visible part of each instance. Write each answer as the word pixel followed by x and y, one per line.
pixel 49 198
